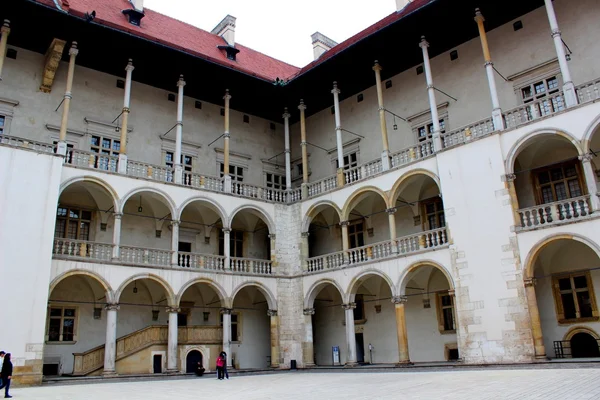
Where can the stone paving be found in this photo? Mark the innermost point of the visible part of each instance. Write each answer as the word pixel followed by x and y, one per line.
pixel 547 384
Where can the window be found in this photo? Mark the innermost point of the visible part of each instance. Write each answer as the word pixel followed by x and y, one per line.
pixel 445 311
pixel 171 97
pixel 61 324
pixel 359 310
pixel 574 297
pixel 236 173
pixel 360 98
pixel 454 55
pixel 388 84
pixel 236 243
pixel 350 161
pixel 106 146
pixel 356 233
pixel 198 104
pixel 433 211
pixel 425 132
pixel 540 90
pixel 235 328
pixel 558 182
pixel 186 162
pixel 72 223
pixel 120 83
pixel 246 119
pixel 276 181
pixel 2 121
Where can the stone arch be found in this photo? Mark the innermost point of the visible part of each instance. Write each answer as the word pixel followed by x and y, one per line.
pixel 271 301
pixel 532 256
pixel 522 143
pixel 363 276
pixel 355 198
pixel 580 329
pixel 167 198
pixel 74 272
pixel 589 133
pixel 202 350
pixel 92 179
pixel 161 281
pixel 308 217
pixel 395 191
pixel 216 207
pixel 316 287
pixel 213 285
pixel 258 211
pixel 402 281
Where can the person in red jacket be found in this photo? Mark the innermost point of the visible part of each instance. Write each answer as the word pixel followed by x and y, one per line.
pixel 220 367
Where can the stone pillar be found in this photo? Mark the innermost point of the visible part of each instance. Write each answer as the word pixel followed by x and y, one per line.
pixel 110 346
pixel 117 236
pixel 489 68
pixel 172 344
pixel 308 352
pixel 62 136
pixel 399 302
pixel 534 315
pixel 273 255
pixel 350 334
pixel 124 121
pixel 179 131
pixel 4 31
pixel 345 240
pixel 304 251
pixel 509 180
pixel 226 176
pixel 274 338
pixel 288 154
pixel 437 139
pixel 227 333
pixel 392 222
pixel 174 243
pixel 227 249
pixel 568 86
pixel 338 135
pixel 590 181
pixel 303 144
pixel 385 155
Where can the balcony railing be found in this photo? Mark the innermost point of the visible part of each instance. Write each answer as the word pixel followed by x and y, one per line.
pixel 250 266
pixel 322 186
pixel 26 144
pixel 554 213
pixel 150 171
pixel 143 256
pixel 89 159
pixel 589 91
pixel 564 349
pixel 417 152
pixel 201 261
pixel 534 110
pixel 461 135
pixel 82 249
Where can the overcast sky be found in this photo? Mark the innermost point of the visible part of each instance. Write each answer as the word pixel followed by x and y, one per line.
pixel 280 28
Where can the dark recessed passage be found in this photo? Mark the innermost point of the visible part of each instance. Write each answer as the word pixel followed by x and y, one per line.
pixel 360 98
pixel 198 104
pixel 11 53
pixel 518 25
pixel 120 83
pixel 419 70
pixel 171 97
pixel 454 55
pixel 388 84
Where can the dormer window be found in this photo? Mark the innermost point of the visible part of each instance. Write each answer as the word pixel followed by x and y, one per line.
pixel 134 16
pixel 230 51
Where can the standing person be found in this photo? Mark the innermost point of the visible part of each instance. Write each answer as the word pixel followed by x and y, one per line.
pixel 6 373
pixel 220 364
pixel 224 355
pixel 2 353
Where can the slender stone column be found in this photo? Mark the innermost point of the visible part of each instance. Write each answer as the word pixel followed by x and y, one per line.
pixel 288 154
pixel 172 344
pixel 385 155
pixel 308 352
pixel 4 31
pixel 227 249
pixel 274 338
pixel 125 119
pixel 437 139
pixel 338 135
pixel 392 222
pixel 174 243
pixel 403 356
pixel 350 334
pixel 110 346
pixel 534 315
pixel 227 333
pixel 568 86
pixel 117 236
pixel 179 131
pixel 62 136
pixel 345 240
pixel 489 68
pixel 590 181
pixel 227 177
pixel 304 251
pixel 303 144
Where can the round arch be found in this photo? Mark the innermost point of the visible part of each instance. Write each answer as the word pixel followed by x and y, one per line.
pixel 262 288
pixel 356 197
pixel 203 353
pixel 92 179
pixel 580 329
pixel 308 217
pixel 316 287
pixel 539 246
pixel 168 290
pixel 262 214
pixel 213 205
pixel 167 198
pixel 212 284
pixel 589 133
pixel 424 263
pixel 395 191
pixel 74 272
pixel 363 276
pixel 520 145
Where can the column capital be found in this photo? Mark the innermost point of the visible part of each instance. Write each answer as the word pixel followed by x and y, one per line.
pixel 118 215
pixel 286 114
pixel 586 157
pixel 424 43
pixel 226 230
pixel 478 16
pixel 226 311
pixel 5 27
pixel 181 82
pixel 226 135
pixel 529 282
pixel 399 299
pixel 302 107
pixel 272 236
pixel 391 210
pixel 377 67
pixel 112 307
pixel 129 66
pixel 175 222
pixel 309 311
pixel 73 51
pixel 272 313
pixel 227 95
pixel 305 234
pixel 344 223
pixel 335 89
pixel 173 309
pixel 509 177
pixel 556 32
pixel 349 306
pixel 451 292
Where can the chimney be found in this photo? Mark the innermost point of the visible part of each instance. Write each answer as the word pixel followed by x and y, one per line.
pixel 135 14
pixel 321 44
pixel 400 4
pixel 138 5
pixel 226 29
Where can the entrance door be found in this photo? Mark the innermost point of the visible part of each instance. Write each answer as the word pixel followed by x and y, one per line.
pixel 584 345
pixel 191 361
pixel 360 348
pixel 157 363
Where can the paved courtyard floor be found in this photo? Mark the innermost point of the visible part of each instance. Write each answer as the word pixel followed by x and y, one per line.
pixel 518 384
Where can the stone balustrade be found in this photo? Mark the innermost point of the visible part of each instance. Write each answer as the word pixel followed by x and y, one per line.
pixel 588 91
pixel 26 144
pixel 150 171
pixel 92 160
pixel 419 151
pixel 209 262
pixel 464 134
pixel 82 249
pixel 144 256
pixel 250 266
pixel 554 213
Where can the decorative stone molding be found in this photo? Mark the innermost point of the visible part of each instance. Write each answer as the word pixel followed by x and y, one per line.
pixel 272 313
pixel 509 178
pixel 226 311
pixel 586 157
pixel 226 230
pixel 399 299
pixel 344 223
pixel 391 210
pixel 305 234
pixel 309 311
pixel 112 307
pixel 173 309
pixel 272 236
pixel 53 57
pixel 530 282
pixel 451 292
pixel 349 306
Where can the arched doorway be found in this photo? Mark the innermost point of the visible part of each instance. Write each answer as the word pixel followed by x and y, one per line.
pixel 584 345
pixel 193 359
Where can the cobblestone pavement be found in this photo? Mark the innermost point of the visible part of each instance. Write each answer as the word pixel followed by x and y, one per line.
pixel 518 384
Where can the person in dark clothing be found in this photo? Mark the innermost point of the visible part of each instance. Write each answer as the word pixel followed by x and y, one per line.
pixel 220 364
pixel 6 373
pixel 224 355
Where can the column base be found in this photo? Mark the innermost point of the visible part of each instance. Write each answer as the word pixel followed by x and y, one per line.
pixel 171 371
pixel 437 142
pixel 304 191
pixel 351 364
pixel 227 184
pixel 178 174
pixel 386 163
pixel 498 120
pixel 122 164
pixel 109 373
pixel 61 148
pixel 406 363
pixel 341 178
pixel 310 365
pixel 570 94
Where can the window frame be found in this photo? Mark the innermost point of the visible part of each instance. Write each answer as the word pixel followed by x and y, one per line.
pixel 67 218
pixel 237 324
pixel 356 234
pixel 3 124
pixel 558 303
pixel 280 185
pixel 237 238
pixel 539 197
pixel 437 213
pixel 440 307
pixel 235 176
pixel 62 318
pixel 428 129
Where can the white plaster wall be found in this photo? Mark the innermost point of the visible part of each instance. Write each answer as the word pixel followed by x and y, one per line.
pixel 254 348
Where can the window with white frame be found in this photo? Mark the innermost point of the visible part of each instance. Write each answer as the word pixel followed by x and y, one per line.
pixel 186 163
pixel 445 312
pixel 350 160
pixel 105 146
pixel 425 132
pixel 236 173
pixel 73 223
pixel 544 90
pixel 62 324
pixel 275 181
